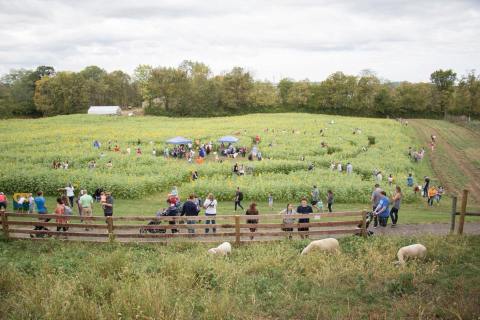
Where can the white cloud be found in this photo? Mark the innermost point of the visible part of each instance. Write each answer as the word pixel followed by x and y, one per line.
pixel 400 40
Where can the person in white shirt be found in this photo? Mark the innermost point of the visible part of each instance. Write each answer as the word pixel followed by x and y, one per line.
pixel 210 206
pixel 349 168
pixel 339 167
pixel 70 191
pixel 31 203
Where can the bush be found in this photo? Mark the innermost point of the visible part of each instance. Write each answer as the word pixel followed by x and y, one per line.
pixel 371 140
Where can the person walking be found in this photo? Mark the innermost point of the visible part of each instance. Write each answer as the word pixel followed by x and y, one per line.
pixel 252 211
pixel 210 206
pixel 70 191
pixel 107 205
pixel 432 194
pixel 41 209
pixel 375 199
pixel 238 198
pixel 381 211
pixel 410 180
pixel 86 202
pixel 190 209
pixel 304 208
pixel 3 201
pixel 396 199
pixel 426 186
pixel 60 211
pixel 289 210
pixel 315 197
pixel 349 168
pixel 330 199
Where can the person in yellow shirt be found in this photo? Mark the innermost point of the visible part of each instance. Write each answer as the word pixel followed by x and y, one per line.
pixel 432 193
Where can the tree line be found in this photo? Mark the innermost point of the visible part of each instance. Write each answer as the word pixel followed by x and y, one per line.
pixel 191 89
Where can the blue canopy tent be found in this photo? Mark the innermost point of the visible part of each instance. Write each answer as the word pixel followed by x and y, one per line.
pixel 228 139
pixel 179 140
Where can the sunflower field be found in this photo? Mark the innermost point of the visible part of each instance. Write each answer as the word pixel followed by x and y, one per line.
pixel 290 144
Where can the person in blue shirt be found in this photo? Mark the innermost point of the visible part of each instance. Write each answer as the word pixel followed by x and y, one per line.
pixel 41 209
pixel 382 211
pixel 410 180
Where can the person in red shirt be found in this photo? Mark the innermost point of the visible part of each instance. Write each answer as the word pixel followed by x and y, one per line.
pixel 3 201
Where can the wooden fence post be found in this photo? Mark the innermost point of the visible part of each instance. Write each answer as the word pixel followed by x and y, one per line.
pixel 237 230
pixel 454 214
pixel 111 235
pixel 364 223
pixel 5 224
pixel 463 209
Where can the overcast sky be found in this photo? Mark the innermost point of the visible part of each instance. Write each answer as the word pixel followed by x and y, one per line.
pixel 397 39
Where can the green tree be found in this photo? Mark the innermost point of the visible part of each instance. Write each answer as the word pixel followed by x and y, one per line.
pixel 237 88
pixel 63 93
pixel 166 88
pixel 413 98
pixel 444 80
pixel 468 94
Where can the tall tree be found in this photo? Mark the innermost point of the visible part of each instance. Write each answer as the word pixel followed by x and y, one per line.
pixel 444 80
pixel 237 91
pixel 468 92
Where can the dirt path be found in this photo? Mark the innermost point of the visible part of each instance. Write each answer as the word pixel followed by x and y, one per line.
pixel 465 167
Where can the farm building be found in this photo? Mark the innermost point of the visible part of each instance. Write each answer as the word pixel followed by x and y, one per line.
pixel 105 110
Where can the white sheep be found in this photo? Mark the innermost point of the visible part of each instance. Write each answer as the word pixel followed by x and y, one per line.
pixel 411 251
pixel 328 245
pixel 222 250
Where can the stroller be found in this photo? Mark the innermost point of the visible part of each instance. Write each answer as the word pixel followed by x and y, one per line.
pixel 368 219
pixel 169 212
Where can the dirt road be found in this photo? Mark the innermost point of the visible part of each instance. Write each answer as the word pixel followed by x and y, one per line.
pixel 457 156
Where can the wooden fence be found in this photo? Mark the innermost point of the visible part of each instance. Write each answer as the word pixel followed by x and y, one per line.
pixel 463 213
pixel 142 228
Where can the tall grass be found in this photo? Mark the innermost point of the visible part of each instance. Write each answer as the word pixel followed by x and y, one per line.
pixel 58 280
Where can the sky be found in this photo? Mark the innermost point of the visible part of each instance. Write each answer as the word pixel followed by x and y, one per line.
pixel 399 40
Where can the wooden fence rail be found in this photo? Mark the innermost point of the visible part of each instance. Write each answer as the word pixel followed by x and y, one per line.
pixel 230 227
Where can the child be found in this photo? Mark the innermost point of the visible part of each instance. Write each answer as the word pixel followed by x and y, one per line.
pixel 320 206
pixel 103 197
pixel 390 180
pixel 31 203
pixel 60 211
pixel 270 201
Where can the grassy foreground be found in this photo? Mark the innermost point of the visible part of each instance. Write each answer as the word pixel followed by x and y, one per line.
pixel 55 280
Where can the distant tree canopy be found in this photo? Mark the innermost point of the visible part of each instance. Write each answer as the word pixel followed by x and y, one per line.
pixel 191 89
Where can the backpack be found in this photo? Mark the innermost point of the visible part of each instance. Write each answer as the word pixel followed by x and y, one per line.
pixel 240 196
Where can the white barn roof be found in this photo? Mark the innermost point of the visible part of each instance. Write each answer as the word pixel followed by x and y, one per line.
pixel 105 110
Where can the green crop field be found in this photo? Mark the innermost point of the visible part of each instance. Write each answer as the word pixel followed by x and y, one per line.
pixel 30 146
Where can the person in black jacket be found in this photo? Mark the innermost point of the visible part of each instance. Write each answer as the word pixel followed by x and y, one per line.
pixel 190 209
pixel 238 198
pixel 172 211
pixel 304 208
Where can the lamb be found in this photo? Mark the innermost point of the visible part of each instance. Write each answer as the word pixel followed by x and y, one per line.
pixel 222 250
pixel 412 251
pixel 328 245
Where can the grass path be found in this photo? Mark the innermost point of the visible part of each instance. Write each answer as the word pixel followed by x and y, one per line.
pixel 455 160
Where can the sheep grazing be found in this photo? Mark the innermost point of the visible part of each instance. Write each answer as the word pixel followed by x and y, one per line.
pixel 412 251
pixel 328 245
pixel 222 250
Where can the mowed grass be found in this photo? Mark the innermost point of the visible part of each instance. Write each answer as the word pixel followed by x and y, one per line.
pixel 57 280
